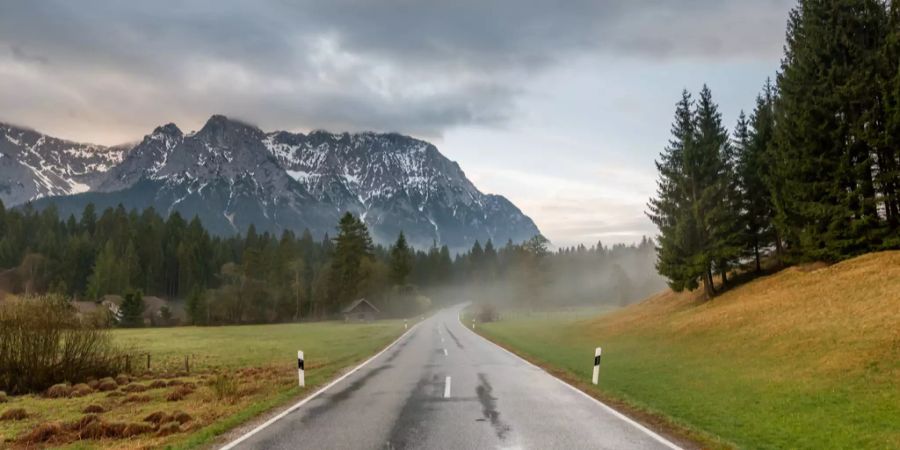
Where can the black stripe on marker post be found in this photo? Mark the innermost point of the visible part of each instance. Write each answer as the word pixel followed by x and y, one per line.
pixel 300 364
pixel 597 360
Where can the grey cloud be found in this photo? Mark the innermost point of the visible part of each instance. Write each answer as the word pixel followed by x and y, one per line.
pixel 404 65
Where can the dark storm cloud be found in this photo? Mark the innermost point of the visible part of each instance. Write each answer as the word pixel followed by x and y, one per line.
pixel 413 66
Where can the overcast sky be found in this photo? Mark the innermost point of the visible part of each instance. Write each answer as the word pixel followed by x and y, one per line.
pixel 560 106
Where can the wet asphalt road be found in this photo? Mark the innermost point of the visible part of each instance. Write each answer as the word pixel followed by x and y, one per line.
pixel 443 387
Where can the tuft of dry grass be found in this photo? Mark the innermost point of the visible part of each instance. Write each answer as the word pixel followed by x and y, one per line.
pixel 43 433
pixel 14 414
pixel 93 408
pixel 134 387
pixel 60 390
pixel 81 389
pixel 168 429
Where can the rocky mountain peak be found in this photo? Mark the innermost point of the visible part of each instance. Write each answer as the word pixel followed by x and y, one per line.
pixel 169 129
pixel 232 174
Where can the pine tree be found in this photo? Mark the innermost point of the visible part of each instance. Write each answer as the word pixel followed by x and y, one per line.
pixel 753 142
pixel 132 310
pixel 197 309
pixel 828 127
pixel 401 261
pixel 351 246
pixel 718 201
pixel 696 202
pixel 888 175
pixel 671 208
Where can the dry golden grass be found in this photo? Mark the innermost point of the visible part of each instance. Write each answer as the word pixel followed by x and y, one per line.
pixel 238 373
pixel 849 313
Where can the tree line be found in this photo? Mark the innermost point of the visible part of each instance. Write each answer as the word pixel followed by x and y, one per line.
pixel 250 277
pixel 812 174
pixel 257 278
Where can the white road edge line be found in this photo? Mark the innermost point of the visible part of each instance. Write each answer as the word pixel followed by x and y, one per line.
pixel 447 388
pixel 608 408
pixel 299 404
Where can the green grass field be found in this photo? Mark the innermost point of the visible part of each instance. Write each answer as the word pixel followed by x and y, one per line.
pixel 260 361
pixel 799 359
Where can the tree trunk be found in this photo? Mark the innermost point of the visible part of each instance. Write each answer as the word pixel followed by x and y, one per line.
pixel 708 287
pixel 779 249
pixel 756 255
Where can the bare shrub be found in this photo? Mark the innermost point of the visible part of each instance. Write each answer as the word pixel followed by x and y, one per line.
pixel 3 398
pixel 43 342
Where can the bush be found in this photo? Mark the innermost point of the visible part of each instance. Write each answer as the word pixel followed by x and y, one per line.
pixel 43 343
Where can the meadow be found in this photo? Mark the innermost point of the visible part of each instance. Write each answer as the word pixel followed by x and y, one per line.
pixel 235 374
pixel 806 358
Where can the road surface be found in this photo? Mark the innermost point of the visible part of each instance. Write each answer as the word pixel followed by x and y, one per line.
pixel 441 386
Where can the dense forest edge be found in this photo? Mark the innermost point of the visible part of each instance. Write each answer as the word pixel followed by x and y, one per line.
pixel 813 174
pixel 151 270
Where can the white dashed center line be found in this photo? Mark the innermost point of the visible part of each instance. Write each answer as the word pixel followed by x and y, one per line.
pixel 447 388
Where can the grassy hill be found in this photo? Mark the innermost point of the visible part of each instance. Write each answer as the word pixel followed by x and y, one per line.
pixel 805 358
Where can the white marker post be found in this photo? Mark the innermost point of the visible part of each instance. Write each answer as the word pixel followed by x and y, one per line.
pixel 596 377
pixel 300 369
pixel 405 325
pixel 473 324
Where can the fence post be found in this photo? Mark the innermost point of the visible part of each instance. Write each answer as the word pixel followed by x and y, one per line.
pixel 187 363
pixel 596 376
pixel 300 369
pixel 148 362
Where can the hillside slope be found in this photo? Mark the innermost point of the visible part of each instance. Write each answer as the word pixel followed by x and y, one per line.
pixel 805 358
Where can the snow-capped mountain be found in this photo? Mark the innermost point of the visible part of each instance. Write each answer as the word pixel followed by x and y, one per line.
pixel 33 165
pixel 232 174
pixel 397 183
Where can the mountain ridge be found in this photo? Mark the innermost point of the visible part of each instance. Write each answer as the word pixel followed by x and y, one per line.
pixel 232 174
